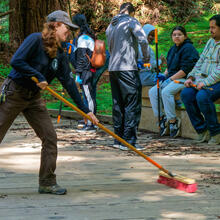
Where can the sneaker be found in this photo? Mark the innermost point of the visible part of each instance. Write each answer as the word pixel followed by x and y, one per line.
pixel 87 128
pixel 202 137
pixel 54 189
pixel 138 147
pixel 80 124
pixel 122 147
pixel 163 126
pixel 214 140
pixel 116 146
pixel 175 128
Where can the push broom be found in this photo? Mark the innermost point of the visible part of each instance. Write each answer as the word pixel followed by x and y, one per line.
pixel 165 176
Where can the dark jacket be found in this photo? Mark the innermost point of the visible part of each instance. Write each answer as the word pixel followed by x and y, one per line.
pixel 123 35
pixel 31 60
pixel 182 57
pixel 85 46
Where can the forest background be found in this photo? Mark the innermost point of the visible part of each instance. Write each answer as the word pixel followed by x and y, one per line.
pixel 19 18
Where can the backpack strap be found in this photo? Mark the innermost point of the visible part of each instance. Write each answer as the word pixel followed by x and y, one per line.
pixel 70 47
pixel 88 57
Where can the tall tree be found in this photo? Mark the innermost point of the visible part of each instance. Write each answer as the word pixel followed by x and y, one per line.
pixel 29 16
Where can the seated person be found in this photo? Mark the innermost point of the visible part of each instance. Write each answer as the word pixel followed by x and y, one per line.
pixel 148 74
pixel 199 101
pixel 181 58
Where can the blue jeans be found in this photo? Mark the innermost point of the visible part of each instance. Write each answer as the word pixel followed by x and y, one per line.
pixel 147 78
pixel 168 89
pixel 201 108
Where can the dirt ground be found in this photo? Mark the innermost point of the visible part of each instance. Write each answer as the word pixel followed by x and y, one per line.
pixel 105 183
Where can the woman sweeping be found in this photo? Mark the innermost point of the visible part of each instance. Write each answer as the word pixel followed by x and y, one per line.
pixel 40 56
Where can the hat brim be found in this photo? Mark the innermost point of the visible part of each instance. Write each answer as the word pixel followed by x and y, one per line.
pixel 72 26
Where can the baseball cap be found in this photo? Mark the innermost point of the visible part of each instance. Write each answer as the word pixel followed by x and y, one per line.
pixel 61 16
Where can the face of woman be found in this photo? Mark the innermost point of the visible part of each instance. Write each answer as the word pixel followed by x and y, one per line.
pixel 62 32
pixel 178 37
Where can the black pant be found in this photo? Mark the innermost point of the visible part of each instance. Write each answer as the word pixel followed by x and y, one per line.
pixel 126 95
pixel 88 91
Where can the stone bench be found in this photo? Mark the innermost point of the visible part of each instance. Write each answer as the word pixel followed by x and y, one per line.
pixel 149 121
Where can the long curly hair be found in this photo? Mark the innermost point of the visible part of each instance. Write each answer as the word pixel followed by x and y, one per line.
pixel 49 38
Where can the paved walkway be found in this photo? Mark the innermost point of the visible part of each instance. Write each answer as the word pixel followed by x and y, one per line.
pixel 104 183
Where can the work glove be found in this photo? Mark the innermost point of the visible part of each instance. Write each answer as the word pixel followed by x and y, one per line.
pixel 160 76
pixel 140 65
pixel 78 79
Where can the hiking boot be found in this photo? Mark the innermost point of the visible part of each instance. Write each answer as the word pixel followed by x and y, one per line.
pixel 175 128
pixel 54 189
pixel 163 126
pixel 87 128
pixel 214 140
pixel 202 137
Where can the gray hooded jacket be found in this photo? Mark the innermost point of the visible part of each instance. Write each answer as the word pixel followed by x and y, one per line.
pixel 123 35
pixel 147 29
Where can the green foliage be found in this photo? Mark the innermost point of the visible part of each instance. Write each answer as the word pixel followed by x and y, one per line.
pixel 4 21
pixel 184 10
pixel 197 29
pixel 104 99
pixel 4 71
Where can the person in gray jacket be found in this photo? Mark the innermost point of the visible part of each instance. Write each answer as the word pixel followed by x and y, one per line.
pixel 123 36
pixel 148 74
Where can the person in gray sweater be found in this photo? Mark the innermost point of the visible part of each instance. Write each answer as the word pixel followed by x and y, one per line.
pixel 123 36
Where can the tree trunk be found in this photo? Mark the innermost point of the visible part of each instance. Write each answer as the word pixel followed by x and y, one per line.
pixel 29 17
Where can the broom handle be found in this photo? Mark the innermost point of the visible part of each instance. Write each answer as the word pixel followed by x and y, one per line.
pixel 60 109
pixel 104 128
pixel 158 81
pixel 193 85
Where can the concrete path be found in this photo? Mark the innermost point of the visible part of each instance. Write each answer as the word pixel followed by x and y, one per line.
pixel 105 183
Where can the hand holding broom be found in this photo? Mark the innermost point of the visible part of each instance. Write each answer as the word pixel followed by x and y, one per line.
pixel 189 83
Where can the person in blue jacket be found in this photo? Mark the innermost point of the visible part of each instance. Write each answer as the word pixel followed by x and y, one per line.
pixel 181 59
pixel 41 56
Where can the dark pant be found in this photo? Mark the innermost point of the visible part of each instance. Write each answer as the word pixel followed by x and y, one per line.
pixel 96 77
pixel 201 108
pixel 33 108
pixel 126 96
pixel 88 91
